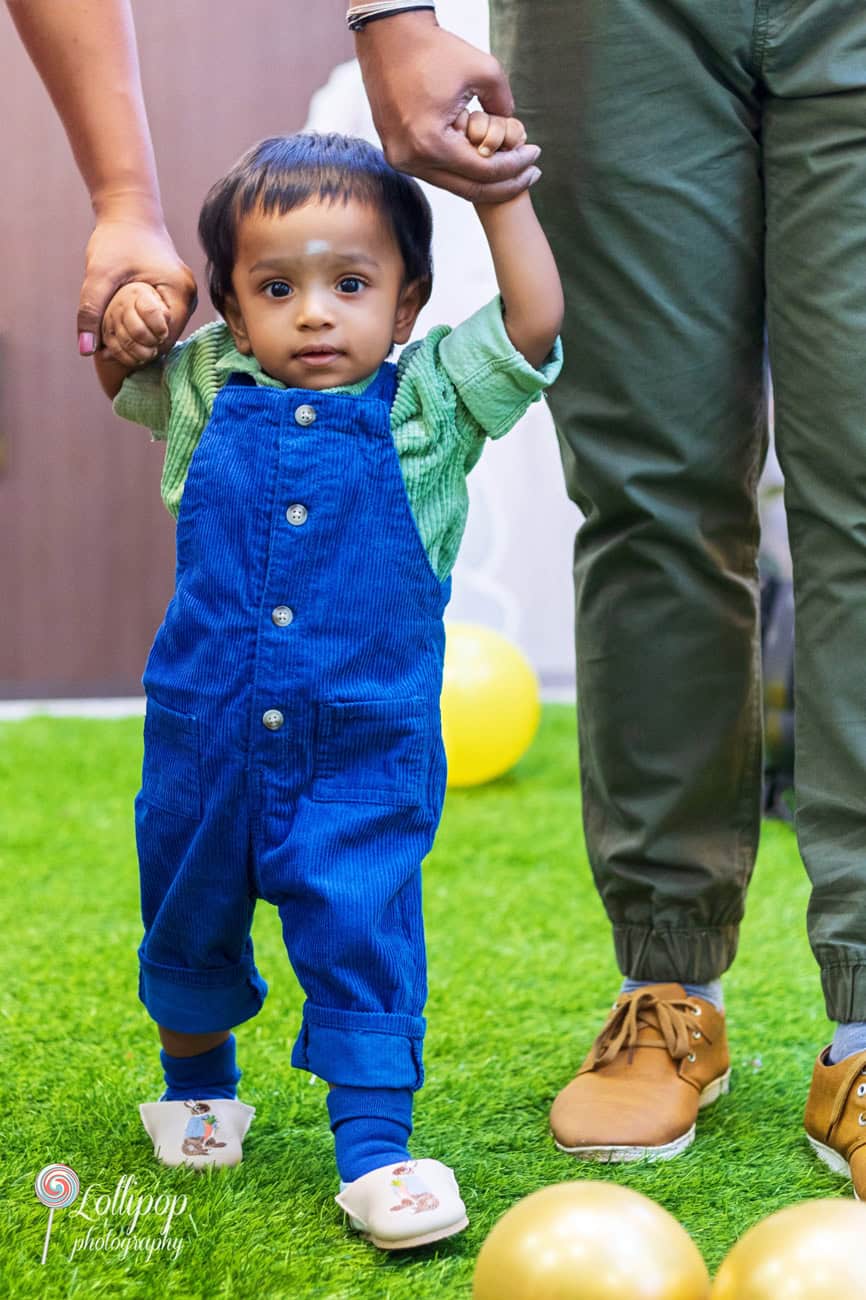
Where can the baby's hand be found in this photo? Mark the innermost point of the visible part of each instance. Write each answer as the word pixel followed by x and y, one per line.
pixel 135 324
pixel 490 134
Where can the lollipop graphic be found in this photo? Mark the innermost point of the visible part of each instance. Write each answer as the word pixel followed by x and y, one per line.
pixel 56 1187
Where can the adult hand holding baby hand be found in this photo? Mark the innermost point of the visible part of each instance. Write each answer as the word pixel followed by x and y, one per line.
pixel 123 253
pixel 136 325
pixel 419 80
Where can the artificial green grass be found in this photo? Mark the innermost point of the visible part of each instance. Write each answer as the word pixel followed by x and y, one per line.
pixel 521 976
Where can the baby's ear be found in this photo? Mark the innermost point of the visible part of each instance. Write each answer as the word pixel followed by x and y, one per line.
pixel 235 321
pixel 412 299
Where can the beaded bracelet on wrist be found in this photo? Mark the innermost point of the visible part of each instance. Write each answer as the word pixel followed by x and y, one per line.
pixel 359 15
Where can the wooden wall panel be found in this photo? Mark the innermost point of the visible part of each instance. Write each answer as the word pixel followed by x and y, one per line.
pixel 86 547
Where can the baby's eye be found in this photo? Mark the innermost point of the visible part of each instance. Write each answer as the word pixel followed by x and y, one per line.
pixel 278 289
pixel 350 284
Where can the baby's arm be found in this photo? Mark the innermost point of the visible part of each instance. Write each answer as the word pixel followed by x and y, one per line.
pixel 134 327
pixel 525 270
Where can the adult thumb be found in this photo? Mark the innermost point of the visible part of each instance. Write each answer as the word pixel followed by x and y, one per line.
pixel 95 293
pixel 494 92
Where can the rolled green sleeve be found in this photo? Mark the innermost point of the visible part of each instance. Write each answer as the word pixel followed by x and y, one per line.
pixel 144 398
pixel 493 380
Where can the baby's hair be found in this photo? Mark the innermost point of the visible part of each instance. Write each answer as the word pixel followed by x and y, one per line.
pixel 285 172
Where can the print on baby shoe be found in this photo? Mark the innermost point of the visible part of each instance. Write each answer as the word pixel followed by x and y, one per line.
pixel 412 1191
pixel 198 1139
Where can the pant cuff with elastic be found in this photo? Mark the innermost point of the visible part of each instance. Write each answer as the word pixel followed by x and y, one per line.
pixel 360 1049
pixel 200 1001
pixel 843 979
pixel 664 955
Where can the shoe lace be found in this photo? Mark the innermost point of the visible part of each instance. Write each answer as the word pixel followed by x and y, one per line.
pixel 645 1010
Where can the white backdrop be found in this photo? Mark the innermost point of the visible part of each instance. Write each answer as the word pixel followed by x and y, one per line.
pixel 514 569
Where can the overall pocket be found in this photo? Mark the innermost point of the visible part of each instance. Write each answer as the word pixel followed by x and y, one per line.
pixel 170 776
pixel 372 751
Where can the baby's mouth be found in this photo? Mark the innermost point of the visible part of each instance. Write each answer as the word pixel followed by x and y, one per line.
pixel 317 356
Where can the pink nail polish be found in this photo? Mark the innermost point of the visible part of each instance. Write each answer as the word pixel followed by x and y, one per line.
pixel 86 344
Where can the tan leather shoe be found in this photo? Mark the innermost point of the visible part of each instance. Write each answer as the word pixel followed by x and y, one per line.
pixel 835 1117
pixel 659 1059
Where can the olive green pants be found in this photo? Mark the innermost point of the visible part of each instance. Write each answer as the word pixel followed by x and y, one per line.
pixel 704 181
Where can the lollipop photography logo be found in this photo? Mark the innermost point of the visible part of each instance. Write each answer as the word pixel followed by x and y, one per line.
pixel 124 1221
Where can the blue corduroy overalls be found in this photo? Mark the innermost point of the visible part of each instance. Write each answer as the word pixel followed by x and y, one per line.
pixel 292 737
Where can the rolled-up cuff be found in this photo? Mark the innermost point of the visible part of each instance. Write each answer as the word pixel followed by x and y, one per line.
pixel 359 1049
pixel 691 956
pixel 843 979
pixel 200 1001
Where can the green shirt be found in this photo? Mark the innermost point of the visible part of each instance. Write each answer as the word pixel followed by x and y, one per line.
pixel 455 387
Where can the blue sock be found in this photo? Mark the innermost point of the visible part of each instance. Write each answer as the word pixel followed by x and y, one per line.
pixel 847 1040
pixel 202 1078
pixel 711 992
pixel 371 1128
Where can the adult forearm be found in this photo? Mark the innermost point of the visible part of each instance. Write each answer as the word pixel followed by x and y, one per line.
pixel 527 275
pixel 85 53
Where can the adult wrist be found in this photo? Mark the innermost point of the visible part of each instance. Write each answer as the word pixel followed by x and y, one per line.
pixel 142 207
pixel 358 16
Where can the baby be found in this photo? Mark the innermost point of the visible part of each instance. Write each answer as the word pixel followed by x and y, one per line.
pixel 292 736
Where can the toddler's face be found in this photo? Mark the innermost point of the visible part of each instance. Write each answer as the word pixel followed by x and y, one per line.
pixel 318 293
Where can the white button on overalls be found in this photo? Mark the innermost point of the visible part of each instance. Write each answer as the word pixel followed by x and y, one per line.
pixel 305 415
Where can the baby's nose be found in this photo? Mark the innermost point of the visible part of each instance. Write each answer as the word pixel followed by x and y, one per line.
pixel 314 308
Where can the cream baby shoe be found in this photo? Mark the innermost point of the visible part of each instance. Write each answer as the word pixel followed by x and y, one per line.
pixel 400 1206
pixel 197 1133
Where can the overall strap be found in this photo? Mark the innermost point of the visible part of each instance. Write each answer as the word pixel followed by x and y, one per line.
pixel 385 384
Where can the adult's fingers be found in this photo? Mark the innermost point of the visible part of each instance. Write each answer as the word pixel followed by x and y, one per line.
pixel 461 121
pixel 458 157
pixel 480 192
pixel 493 91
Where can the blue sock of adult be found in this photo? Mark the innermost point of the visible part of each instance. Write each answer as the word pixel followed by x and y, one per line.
pixel 848 1040
pixel 711 992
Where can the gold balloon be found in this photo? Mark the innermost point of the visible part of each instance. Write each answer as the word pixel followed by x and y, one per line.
pixel 490 704
pixel 589 1240
pixel 810 1251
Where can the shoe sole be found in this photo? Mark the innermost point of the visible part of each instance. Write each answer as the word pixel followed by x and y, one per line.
pixel 833 1160
pixel 408 1243
pixel 624 1154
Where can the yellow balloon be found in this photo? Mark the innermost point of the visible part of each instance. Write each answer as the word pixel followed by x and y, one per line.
pixel 589 1240
pixel 810 1251
pixel 490 704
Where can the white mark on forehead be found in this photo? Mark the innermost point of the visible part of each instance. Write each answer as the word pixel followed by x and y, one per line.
pixel 314 247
